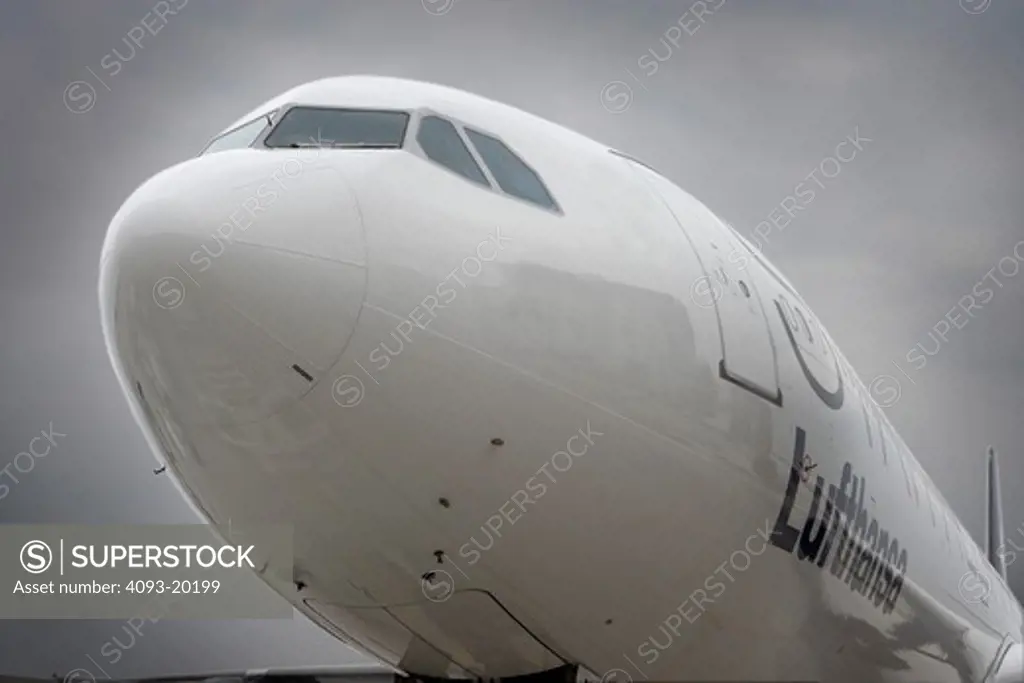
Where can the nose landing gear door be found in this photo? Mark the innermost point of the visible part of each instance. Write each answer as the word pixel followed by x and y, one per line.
pixel 727 283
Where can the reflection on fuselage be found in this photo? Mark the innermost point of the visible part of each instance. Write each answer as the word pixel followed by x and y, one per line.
pixel 353 362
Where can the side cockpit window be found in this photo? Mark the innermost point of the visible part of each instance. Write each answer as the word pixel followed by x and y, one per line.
pixel 240 137
pixel 443 145
pixel 510 172
pixel 327 127
pixel 480 158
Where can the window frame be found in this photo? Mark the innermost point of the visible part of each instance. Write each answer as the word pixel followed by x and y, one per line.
pixel 461 126
pixel 284 109
pixel 422 114
pixel 270 123
pixel 557 208
pixel 409 143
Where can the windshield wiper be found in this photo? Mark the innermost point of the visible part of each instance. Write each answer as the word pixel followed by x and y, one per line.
pixel 368 145
pixel 341 145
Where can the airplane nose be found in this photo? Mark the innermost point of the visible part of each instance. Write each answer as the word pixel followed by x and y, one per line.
pixel 231 285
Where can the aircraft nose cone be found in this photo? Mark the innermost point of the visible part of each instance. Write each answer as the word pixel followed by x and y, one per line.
pixel 230 288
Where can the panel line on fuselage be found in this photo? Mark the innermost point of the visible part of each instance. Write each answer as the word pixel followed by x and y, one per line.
pixel 639 425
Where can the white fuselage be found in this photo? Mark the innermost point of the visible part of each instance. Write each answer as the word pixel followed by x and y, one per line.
pixel 510 437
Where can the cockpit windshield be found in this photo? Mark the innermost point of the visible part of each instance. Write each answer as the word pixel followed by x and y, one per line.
pixel 240 137
pixel 325 127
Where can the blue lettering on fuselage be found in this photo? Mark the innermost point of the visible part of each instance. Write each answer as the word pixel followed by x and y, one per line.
pixel 865 556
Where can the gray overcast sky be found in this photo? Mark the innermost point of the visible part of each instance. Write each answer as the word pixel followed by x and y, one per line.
pixel 738 113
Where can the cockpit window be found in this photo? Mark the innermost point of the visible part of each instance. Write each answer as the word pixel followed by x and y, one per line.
pixel 442 144
pixel 324 127
pixel 240 137
pixel 511 172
